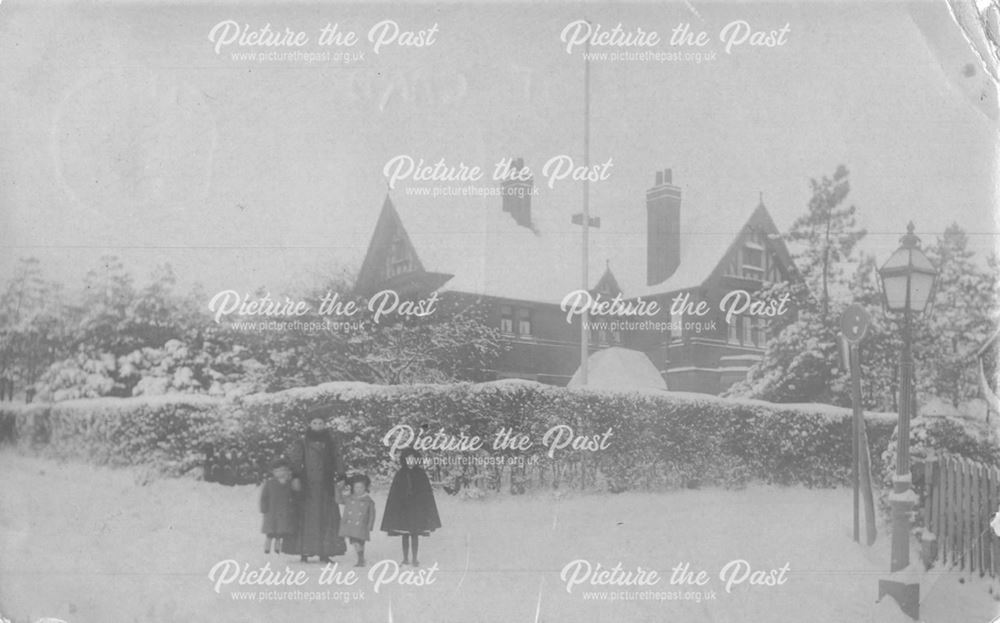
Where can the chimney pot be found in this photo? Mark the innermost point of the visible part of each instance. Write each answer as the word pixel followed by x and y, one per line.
pixel 659 178
pixel 668 176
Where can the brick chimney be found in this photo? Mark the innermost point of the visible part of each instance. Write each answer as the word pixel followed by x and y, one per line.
pixel 517 195
pixel 663 228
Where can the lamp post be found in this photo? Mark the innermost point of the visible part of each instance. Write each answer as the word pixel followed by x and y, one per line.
pixel 908 279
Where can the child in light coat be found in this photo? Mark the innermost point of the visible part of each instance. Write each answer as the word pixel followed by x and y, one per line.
pixel 359 515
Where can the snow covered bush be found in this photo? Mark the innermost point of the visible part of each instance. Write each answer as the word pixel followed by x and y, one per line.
pixel 658 439
pixel 79 376
pixel 166 431
pixel 934 435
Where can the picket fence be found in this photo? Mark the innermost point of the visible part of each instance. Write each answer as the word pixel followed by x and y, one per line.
pixel 961 498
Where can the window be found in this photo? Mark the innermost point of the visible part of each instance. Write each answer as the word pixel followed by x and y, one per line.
pixel 398 261
pixel 506 319
pixel 755 335
pixel 734 329
pixel 524 322
pixel 748 331
pixel 753 256
pixel 753 264
pixel 773 273
pixel 676 326
pixel 515 320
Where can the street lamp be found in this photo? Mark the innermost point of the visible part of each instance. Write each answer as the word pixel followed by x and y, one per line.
pixel 908 279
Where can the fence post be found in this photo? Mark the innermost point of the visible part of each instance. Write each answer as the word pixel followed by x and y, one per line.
pixel 988 500
pixel 944 538
pixel 939 515
pixel 984 517
pixel 937 509
pixel 963 517
pixel 984 497
pixel 970 514
pixel 977 514
pixel 957 513
pixel 928 546
pixel 994 485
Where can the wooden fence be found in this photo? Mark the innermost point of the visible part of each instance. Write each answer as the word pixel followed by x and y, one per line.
pixel 960 499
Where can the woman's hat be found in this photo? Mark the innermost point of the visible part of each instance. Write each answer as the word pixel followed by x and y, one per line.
pixel 405 452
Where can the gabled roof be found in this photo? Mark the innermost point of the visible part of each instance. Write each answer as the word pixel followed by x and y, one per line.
pixel 607 282
pixel 486 252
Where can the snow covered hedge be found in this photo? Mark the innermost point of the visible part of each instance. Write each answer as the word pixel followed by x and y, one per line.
pixel 658 439
pixel 168 432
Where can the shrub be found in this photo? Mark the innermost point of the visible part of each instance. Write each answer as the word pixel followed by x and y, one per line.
pixel 166 431
pixel 934 435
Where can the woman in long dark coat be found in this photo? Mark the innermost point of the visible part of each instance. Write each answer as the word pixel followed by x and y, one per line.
pixel 410 510
pixel 318 466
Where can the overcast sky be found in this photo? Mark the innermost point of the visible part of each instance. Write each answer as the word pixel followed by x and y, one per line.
pixel 123 131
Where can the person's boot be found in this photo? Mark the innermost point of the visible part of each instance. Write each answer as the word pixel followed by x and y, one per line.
pixel 303 558
pixel 324 559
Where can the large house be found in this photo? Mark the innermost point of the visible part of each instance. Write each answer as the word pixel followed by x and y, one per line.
pixel 521 265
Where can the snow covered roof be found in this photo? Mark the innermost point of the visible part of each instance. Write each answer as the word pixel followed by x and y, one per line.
pixel 488 253
pixel 620 369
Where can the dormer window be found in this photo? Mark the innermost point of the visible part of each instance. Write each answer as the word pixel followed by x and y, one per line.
pixel 399 259
pixel 753 256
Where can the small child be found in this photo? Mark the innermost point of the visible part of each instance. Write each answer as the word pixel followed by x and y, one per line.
pixel 277 503
pixel 359 515
pixel 410 510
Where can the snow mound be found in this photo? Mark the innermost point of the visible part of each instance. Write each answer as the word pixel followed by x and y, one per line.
pixel 620 369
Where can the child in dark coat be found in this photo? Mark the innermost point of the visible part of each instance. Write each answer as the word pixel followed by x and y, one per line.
pixel 410 510
pixel 359 515
pixel 277 503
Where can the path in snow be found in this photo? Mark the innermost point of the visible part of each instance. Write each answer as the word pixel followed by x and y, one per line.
pixel 87 544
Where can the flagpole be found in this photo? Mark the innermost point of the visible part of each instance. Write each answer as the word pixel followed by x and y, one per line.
pixel 584 319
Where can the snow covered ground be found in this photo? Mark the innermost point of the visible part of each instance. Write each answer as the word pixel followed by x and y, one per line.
pixel 88 544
